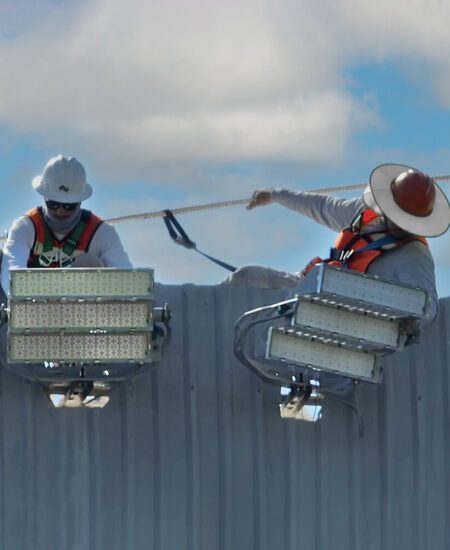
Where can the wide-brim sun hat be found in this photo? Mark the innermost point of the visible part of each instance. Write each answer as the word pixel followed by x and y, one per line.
pixel 370 201
pixel 428 224
pixel 63 180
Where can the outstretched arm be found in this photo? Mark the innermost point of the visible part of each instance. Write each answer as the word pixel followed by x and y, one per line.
pixel 327 210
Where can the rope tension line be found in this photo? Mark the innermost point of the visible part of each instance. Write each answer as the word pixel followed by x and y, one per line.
pixel 214 205
pixel 225 204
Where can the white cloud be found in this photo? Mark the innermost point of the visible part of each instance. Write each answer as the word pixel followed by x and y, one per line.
pixel 141 89
pixel 169 81
pixel 313 127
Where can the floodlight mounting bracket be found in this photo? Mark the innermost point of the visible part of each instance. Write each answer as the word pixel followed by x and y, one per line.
pixel 4 312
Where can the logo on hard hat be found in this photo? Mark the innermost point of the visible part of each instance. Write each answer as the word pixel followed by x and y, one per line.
pixel 63 188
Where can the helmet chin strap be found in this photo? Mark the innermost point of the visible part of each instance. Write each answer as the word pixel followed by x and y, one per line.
pixel 61 225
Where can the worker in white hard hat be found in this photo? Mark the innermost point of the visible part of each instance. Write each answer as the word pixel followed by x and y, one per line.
pixel 60 233
pixel 382 233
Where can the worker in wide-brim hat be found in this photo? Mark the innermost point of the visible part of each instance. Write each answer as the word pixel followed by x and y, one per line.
pixel 409 199
pixel 383 233
pixel 60 233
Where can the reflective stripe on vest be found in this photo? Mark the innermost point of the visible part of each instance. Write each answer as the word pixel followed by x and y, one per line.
pixel 48 251
pixel 356 250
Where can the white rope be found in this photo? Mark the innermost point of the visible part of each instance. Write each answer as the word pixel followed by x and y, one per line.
pixel 213 205
pixel 225 204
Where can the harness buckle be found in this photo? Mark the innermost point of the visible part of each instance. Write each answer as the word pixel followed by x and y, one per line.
pixel 65 259
pixel 47 258
pixel 346 255
pixel 56 256
pixel 340 254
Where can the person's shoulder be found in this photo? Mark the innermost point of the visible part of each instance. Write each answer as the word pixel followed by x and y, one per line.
pixel 88 214
pixel 22 221
pixel 105 230
pixel 420 244
pixel 414 251
pixel 21 231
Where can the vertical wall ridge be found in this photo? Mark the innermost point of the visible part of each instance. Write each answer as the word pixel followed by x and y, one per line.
pixel 193 455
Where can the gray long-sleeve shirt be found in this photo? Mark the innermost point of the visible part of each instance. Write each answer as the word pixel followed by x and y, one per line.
pixel 410 263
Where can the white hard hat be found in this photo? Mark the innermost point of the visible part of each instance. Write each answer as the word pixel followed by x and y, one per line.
pixel 63 180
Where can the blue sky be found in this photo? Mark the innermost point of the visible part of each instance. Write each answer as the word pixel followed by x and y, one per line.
pixel 169 104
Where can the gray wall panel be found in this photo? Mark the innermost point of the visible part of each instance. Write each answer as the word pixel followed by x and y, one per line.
pixel 193 454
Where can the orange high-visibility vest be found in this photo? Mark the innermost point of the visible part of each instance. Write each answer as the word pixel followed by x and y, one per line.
pixel 46 245
pixel 347 247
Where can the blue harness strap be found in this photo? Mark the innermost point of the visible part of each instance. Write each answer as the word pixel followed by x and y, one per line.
pixel 388 239
pixel 343 255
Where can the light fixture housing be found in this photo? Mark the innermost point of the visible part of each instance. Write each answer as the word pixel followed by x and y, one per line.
pixel 329 354
pixel 76 283
pixel 336 321
pixel 81 316
pixel 365 292
pixel 375 332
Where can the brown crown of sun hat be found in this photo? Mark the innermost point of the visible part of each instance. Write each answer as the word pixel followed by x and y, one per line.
pixel 410 199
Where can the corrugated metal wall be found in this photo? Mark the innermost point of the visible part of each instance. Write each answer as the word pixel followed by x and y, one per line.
pixel 194 455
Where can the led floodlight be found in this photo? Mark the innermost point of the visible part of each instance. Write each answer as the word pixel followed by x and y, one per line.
pixel 370 293
pixel 78 347
pixel 44 315
pixel 326 354
pixel 81 282
pixel 82 331
pixel 373 332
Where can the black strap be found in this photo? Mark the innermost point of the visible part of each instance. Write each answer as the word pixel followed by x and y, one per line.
pixel 182 238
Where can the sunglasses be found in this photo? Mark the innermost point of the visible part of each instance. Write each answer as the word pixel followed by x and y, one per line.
pixel 54 205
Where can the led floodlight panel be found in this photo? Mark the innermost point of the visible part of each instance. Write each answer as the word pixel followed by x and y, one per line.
pixel 372 294
pixel 83 315
pixel 81 282
pixel 80 315
pixel 373 332
pixel 326 355
pixel 66 347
